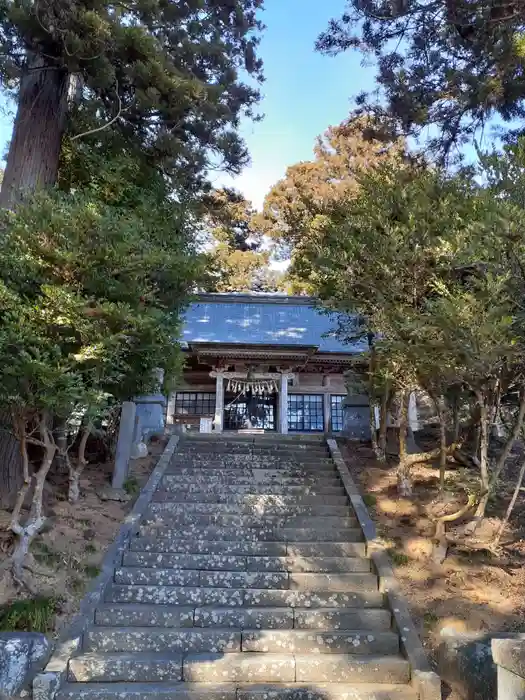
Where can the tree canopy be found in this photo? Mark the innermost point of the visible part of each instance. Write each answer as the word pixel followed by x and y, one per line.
pixel 239 258
pixel 168 77
pixel 446 64
pixel 295 206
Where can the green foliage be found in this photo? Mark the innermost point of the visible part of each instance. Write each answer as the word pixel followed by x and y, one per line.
pixel 449 65
pixel 237 260
pixel 398 558
pixel 131 486
pixel 44 554
pixel 33 615
pixel 91 571
pixel 369 499
pixel 295 208
pixel 168 76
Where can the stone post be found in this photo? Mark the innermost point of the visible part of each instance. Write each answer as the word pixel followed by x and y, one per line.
pixel 283 404
pixel 124 444
pixel 413 421
pixel 150 411
pixel 171 408
pixel 509 657
pixel 219 403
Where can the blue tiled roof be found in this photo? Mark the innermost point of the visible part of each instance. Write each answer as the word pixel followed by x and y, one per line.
pixel 262 320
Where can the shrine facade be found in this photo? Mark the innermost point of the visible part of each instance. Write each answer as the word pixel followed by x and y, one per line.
pixel 263 363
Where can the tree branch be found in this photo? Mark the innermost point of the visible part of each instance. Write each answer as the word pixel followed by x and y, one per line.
pixel 104 126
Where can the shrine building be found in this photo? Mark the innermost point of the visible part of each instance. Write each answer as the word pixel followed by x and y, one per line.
pixel 263 363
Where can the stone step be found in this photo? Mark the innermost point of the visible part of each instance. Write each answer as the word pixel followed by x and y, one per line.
pixel 185 616
pixel 144 615
pixel 342 619
pixel 362 643
pixel 215 579
pixel 271 447
pixel 225 496
pixel 216 562
pixel 170 515
pixel 231 448
pixel 198 546
pixel 244 618
pixel 239 597
pixel 240 668
pixel 357 690
pixel 269 470
pixel 139 639
pixel 248 466
pixel 256 509
pixel 277 534
pixel 133 668
pixel 249 484
pixel 348 668
pixel 136 615
pixel 134 576
pixel 328 691
pixel 147 691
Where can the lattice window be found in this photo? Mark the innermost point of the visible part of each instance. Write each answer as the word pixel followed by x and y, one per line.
pixel 305 413
pixel 336 412
pixel 194 403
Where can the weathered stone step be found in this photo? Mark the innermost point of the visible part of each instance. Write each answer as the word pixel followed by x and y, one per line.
pixel 225 496
pixel 212 668
pixel 342 619
pixel 251 509
pixel 252 488
pixel 214 579
pixel 236 691
pixel 246 448
pixel 215 639
pixel 198 546
pixel 147 691
pixel 242 563
pixel 328 691
pixel 277 534
pixel 295 484
pixel 220 470
pixel 144 615
pixel 362 643
pixel 171 516
pixel 244 618
pixel 134 576
pixel 136 615
pixel 238 597
pixel 138 639
pixel 345 668
pixel 114 668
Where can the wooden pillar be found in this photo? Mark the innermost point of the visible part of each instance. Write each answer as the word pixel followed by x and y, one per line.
pixel 283 404
pixel 219 403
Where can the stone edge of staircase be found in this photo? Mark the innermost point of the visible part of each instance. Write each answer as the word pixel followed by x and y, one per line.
pixel 425 682
pixel 47 683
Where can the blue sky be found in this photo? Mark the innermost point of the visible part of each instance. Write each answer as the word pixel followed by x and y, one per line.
pixel 303 94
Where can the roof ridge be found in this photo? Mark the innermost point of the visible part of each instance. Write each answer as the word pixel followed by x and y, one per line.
pixel 257 298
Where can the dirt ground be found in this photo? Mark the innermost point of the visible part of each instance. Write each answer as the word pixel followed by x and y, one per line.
pixel 474 590
pixel 69 552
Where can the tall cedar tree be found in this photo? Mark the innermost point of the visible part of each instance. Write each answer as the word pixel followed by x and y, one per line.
pixel 238 261
pixel 166 75
pixel 448 63
pixel 295 206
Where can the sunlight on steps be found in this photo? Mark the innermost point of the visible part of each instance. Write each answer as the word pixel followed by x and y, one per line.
pixel 247 580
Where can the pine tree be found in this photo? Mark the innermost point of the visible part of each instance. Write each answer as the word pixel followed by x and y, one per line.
pixel 452 64
pixel 166 75
pixel 238 260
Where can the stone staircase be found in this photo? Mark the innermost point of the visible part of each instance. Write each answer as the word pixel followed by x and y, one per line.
pixel 248 580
